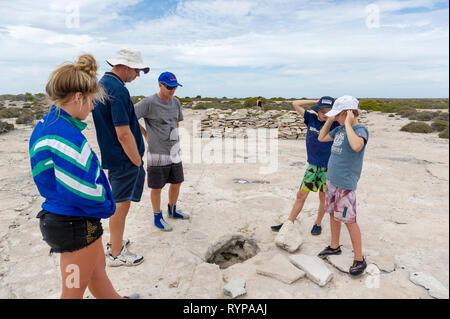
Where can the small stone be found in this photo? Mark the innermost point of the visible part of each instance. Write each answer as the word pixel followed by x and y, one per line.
pixel 235 288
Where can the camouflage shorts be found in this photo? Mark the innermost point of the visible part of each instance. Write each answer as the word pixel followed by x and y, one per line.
pixel 341 202
pixel 314 179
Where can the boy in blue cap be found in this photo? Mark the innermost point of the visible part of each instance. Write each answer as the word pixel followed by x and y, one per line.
pixel 162 113
pixel 318 155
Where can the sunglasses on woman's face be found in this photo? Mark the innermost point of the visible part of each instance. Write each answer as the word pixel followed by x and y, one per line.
pixel 170 88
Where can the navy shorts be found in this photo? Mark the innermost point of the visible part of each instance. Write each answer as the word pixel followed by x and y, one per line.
pixel 65 233
pixel 128 184
pixel 158 176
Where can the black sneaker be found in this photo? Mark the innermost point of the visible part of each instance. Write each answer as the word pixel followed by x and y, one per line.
pixel 330 251
pixel 358 267
pixel 316 230
pixel 276 227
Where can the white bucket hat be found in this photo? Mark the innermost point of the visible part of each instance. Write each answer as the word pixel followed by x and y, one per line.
pixel 129 57
pixel 346 102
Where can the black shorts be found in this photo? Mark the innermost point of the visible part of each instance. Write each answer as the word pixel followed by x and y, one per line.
pixel 68 233
pixel 158 176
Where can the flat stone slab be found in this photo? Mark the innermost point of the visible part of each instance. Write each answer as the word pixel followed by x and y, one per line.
pixel 434 287
pixel 343 261
pixel 206 282
pixel 235 288
pixel 280 268
pixel 289 237
pixel 314 267
pixel 384 263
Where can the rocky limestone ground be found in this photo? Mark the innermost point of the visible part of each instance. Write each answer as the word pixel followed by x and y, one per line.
pixel 403 204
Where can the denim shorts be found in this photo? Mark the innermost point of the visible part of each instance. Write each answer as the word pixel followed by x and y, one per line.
pixel 127 184
pixel 65 233
pixel 158 176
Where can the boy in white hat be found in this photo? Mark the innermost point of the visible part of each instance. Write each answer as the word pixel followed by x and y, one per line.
pixel 344 171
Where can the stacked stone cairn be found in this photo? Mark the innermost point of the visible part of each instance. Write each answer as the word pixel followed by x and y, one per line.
pixel 217 123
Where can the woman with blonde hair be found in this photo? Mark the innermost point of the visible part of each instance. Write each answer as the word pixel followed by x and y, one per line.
pixel 68 175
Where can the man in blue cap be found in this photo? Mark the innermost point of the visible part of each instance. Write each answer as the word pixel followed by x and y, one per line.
pixel 318 155
pixel 162 114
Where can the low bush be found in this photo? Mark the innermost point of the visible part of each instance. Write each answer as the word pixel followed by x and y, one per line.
pixel 439 125
pixel 25 118
pixel 444 134
pixel 370 105
pixel 425 116
pixel 406 111
pixel 10 112
pixel 417 127
pixel 5 127
pixel 444 116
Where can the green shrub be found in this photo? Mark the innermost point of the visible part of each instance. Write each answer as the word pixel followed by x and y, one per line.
pixel 417 127
pixel 425 116
pixel 443 105
pixel 251 101
pixel 444 133
pixel 444 116
pixel 185 100
pixel 370 105
pixel 10 112
pixel 439 125
pixel 25 118
pixel 406 111
pixel 5 127
pixel 204 106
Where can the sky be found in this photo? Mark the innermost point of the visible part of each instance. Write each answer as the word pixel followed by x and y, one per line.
pixel 231 48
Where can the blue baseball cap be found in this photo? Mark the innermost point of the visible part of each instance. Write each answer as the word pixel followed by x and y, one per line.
pixel 168 79
pixel 324 102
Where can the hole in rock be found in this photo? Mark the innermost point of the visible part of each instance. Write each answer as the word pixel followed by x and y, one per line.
pixel 231 249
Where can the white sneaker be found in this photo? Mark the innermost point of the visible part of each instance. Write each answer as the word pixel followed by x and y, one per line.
pixel 125 258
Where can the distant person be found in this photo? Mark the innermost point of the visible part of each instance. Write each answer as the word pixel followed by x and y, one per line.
pixel 162 114
pixel 68 175
pixel 259 104
pixel 344 170
pixel 318 154
pixel 122 148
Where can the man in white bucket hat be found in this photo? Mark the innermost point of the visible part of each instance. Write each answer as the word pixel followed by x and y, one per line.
pixel 122 148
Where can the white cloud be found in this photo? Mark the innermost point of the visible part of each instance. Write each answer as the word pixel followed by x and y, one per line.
pixel 253 43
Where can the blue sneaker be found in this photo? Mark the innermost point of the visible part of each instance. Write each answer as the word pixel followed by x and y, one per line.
pixel 316 230
pixel 174 214
pixel 160 222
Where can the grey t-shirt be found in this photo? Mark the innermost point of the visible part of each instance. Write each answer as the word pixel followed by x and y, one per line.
pixel 345 165
pixel 161 120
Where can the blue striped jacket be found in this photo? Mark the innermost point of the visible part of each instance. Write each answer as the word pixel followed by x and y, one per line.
pixel 66 170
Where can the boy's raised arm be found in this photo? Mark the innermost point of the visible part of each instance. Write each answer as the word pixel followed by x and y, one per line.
pixel 323 134
pixel 299 104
